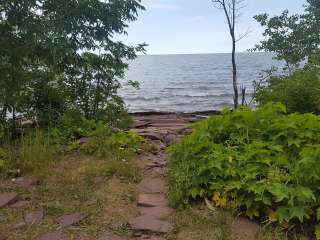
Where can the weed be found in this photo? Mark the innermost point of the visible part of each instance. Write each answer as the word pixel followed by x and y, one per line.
pixel 263 163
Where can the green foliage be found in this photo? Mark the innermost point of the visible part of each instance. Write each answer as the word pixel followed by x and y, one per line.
pixel 29 153
pixel 299 92
pixel 263 163
pixel 123 169
pixel 293 38
pixel 105 142
pixel 57 55
pixel 36 149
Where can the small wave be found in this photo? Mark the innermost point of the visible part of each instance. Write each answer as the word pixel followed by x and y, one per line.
pixel 141 98
pixel 216 96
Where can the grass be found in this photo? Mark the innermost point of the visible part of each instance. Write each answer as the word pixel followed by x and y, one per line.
pixel 102 188
pixel 197 222
pixel 201 224
pixel 29 154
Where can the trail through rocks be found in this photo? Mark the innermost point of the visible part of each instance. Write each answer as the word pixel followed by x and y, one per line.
pixel 162 131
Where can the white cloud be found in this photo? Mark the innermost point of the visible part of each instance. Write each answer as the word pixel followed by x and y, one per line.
pixel 158 4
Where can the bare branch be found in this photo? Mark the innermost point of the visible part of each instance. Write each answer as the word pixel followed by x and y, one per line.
pixel 244 35
pixel 231 10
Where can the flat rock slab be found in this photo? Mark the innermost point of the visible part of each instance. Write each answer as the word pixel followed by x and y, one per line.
pixel 20 204
pixel 34 217
pixel 157 212
pixel 156 158
pixel 152 200
pixel 244 229
pixel 170 139
pixel 19 225
pixel 152 185
pixel 110 236
pixel 7 199
pixel 141 124
pixel 71 219
pixel 2 218
pixel 150 224
pixel 27 182
pixel 152 135
pixel 148 237
pixel 52 236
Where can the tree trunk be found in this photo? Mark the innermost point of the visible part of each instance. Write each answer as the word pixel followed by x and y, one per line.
pixel 14 127
pixel 234 74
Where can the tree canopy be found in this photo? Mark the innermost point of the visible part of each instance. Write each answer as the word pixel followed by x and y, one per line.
pixel 293 38
pixel 58 55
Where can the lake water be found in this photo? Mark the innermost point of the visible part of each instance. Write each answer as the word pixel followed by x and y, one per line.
pixel 187 83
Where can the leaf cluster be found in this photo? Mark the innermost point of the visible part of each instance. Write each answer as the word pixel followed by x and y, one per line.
pixel 299 92
pixel 262 163
pixel 293 38
pixel 59 55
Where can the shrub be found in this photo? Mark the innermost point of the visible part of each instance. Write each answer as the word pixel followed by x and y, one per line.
pixel 73 125
pixel 263 163
pixel 104 142
pixel 299 92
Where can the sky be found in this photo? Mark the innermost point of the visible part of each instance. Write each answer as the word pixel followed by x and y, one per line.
pixel 195 26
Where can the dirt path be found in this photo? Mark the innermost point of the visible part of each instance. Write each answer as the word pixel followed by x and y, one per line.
pixel 83 197
pixel 162 131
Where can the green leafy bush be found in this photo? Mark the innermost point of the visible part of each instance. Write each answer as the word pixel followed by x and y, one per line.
pixel 36 148
pixel 263 163
pixel 299 92
pixel 104 142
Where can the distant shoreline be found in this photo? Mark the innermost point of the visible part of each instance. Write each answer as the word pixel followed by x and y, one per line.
pixel 172 54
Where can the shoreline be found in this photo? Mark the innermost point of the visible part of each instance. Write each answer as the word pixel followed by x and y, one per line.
pixel 162 113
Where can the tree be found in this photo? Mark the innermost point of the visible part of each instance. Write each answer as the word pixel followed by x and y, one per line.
pixel 231 10
pixel 294 38
pixel 48 56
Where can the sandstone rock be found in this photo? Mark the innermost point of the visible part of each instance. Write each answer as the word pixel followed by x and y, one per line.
pixel 115 224
pixel 71 219
pixel 141 124
pixel 19 225
pixel 150 133
pixel 186 131
pixel 170 139
pixel 150 224
pixel 152 200
pixel 34 217
pixel 149 237
pixel 27 182
pixel 84 140
pixel 85 238
pixel 161 212
pixel 20 204
pixel 110 236
pixel 2 237
pixel 152 185
pixel 52 236
pixel 7 199
pixel 2 218
pixel 244 229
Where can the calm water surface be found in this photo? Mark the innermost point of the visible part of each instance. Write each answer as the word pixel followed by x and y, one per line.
pixel 187 83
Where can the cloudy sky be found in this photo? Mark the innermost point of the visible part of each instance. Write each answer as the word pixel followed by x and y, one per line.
pixel 195 26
